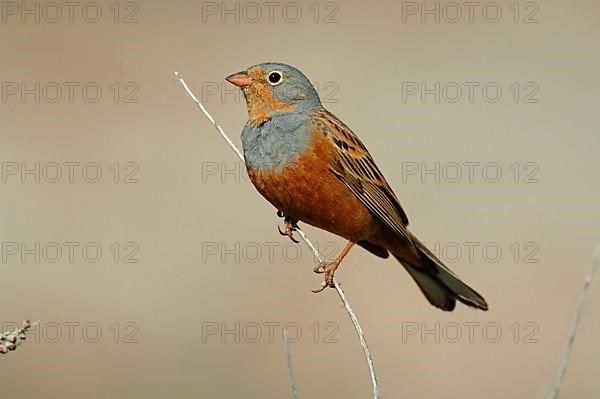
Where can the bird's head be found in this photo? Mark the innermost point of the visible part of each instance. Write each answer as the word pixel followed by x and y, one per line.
pixel 274 88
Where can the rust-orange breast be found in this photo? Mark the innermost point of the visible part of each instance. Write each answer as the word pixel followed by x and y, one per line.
pixel 309 191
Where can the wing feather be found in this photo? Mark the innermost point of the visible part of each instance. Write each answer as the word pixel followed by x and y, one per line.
pixel 356 168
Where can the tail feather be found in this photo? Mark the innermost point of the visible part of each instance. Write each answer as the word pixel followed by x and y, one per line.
pixel 439 284
pixel 436 293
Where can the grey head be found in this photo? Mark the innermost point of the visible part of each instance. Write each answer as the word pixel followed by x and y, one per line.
pixel 273 88
pixel 280 99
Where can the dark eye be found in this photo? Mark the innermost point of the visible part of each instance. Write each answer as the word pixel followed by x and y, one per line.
pixel 275 78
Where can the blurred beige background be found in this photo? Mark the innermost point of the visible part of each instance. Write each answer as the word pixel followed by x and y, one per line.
pixel 202 236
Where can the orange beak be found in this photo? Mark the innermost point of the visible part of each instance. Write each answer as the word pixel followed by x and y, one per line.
pixel 240 79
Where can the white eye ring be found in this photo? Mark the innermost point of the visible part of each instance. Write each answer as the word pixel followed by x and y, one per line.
pixel 275 78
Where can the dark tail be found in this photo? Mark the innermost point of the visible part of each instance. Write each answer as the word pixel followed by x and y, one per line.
pixel 441 287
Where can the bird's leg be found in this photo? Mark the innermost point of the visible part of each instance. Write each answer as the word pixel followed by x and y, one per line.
pixel 290 225
pixel 329 268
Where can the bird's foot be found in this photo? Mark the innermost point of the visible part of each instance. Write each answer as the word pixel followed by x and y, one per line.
pixel 290 224
pixel 327 268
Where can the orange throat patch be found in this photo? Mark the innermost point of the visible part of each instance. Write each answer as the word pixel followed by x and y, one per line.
pixel 260 100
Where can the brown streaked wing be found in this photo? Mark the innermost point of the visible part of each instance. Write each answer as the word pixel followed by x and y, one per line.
pixel 356 168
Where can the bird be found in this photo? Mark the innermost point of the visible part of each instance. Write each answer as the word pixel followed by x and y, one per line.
pixel 313 168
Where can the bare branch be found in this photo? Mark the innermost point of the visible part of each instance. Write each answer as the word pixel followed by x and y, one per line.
pixel 574 325
pixel 361 336
pixel 10 340
pixel 288 354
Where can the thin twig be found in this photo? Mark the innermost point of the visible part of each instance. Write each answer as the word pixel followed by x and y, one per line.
pixel 359 332
pixel 10 340
pixel 209 116
pixel 574 325
pixel 288 354
pixel 361 336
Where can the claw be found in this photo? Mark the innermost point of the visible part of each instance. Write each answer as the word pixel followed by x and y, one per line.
pixel 290 226
pixel 319 269
pixel 320 289
pixel 329 269
pixel 289 233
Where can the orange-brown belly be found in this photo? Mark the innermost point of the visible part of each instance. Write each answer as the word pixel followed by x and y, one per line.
pixel 308 190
